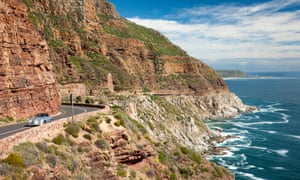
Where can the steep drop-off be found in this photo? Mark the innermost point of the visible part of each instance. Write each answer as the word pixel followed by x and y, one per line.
pixel 27 80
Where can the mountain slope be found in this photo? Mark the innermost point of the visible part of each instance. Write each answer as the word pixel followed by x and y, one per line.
pixel 88 39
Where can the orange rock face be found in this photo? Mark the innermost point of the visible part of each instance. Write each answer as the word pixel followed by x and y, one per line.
pixel 27 81
pixel 88 40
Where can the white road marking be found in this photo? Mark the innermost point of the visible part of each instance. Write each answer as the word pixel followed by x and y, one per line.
pixel 7 132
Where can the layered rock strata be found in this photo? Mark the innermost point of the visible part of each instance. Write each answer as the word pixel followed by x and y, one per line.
pixel 27 81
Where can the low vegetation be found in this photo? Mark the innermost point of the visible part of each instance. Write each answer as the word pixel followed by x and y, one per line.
pixel 84 142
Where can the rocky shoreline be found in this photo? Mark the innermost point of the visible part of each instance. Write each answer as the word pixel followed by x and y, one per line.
pixel 187 115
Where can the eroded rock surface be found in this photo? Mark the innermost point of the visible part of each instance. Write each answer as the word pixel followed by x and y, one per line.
pixel 27 80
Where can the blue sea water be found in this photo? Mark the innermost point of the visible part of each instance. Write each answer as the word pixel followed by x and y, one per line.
pixel 267 143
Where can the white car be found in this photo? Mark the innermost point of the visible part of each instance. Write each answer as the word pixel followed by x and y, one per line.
pixel 40 119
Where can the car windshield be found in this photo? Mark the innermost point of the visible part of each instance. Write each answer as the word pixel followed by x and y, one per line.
pixel 42 115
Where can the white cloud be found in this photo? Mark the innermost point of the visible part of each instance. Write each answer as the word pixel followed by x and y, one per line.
pixel 214 33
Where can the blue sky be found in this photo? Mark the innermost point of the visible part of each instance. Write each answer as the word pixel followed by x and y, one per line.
pixel 248 35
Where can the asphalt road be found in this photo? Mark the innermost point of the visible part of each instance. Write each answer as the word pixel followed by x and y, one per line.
pixel 66 111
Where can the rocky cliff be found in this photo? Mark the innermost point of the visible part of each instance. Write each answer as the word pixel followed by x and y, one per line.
pixel 180 118
pixel 88 40
pixel 27 80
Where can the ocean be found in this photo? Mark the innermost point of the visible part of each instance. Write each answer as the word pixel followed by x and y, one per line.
pixel 267 141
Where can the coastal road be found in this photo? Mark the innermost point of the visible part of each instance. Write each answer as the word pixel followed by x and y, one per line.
pixel 66 111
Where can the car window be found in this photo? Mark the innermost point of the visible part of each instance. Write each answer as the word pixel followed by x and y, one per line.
pixel 42 115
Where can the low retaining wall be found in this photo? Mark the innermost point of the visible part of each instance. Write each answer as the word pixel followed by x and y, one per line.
pixel 37 134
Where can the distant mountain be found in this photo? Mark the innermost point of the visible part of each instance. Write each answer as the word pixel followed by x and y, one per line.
pixel 231 73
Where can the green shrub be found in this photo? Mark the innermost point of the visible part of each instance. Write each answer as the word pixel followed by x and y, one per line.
pixel 120 123
pixel 163 157
pixel 117 123
pixel 89 100
pixel 78 99
pixel 121 173
pixel 194 155
pixel 101 143
pixel 93 123
pixel 173 176
pixel 7 119
pixel 132 174
pixel 87 136
pixel 184 150
pixel 29 153
pixel 150 125
pixel 58 139
pixel 73 129
pixel 186 171
pixel 15 160
pixel 148 137
pixel 146 89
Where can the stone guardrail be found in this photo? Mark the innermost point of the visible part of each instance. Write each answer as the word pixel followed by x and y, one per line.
pixel 37 134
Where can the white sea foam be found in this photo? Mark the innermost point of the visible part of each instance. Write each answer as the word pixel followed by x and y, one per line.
pixel 284 120
pixel 257 147
pixel 231 167
pixel 278 168
pixel 270 132
pixel 270 109
pixel 251 176
pixel 281 152
pixel 250 167
pixel 294 136
pixel 226 134
pixel 243 125
pixel 234 149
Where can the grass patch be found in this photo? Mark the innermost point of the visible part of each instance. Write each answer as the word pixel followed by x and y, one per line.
pixel 196 156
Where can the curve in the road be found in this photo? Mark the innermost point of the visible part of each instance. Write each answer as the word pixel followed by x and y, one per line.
pixel 66 111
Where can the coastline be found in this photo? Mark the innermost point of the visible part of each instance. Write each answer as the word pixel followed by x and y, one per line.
pixel 267 139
